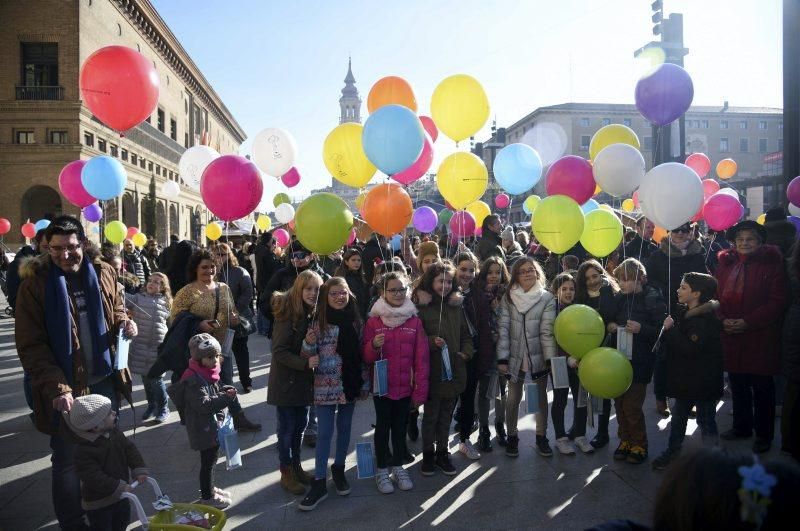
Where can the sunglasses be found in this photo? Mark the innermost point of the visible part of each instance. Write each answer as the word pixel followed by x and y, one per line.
pixel 299 255
pixel 684 230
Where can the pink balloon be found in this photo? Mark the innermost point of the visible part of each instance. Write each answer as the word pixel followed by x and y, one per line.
pixel 419 168
pixel 282 237
pixel 291 177
pixel 571 176
pixel 722 211
pixel 69 182
pixel 710 187
pixel 793 191
pixel 430 127
pixel 462 224
pixel 502 201
pixel 635 198
pixel 231 187
pixel 351 238
pixel 132 231
pixel 479 232
pixel 700 163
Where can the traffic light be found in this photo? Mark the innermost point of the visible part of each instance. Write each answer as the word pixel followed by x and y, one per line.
pixel 658 16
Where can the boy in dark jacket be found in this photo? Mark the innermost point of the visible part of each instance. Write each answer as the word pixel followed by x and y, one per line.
pixel 105 461
pixel 694 354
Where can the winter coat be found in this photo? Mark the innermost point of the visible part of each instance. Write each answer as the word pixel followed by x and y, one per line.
pixel 200 402
pixel 13 279
pixel 48 381
pixel 266 265
pixel 173 353
pixel 526 334
pixel 405 348
pixel 241 286
pixel 355 281
pixel 291 381
pixel 486 319
pixel 760 301
pixel 667 277
pixel 150 313
pixel 694 354
pixel 490 244
pixel 134 264
pixel 648 309
pixel 446 321
pixel 373 251
pixel 328 378
pixel 782 234
pixel 604 304
pixel 640 249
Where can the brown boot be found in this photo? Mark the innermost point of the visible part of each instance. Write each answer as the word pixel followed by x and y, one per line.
pixel 289 483
pixel 242 423
pixel 301 475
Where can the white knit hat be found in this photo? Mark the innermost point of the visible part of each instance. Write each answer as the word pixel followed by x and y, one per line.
pixel 87 413
pixel 508 233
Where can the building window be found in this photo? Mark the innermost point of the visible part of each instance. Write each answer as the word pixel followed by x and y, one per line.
pixel 743 124
pixel 723 145
pixel 780 144
pixel 39 64
pixel 585 122
pixel 161 120
pixel 762 145
pixel 58 137
pixel 648 143
pixel 150 166
pixel 113 150
pixel 124 155
pixel 186 140
pixel 744 144
pixel 704 124
pixel 627 122
pixel 606 121
pixel 101 145
pixel 88 138
pixel 141 163
pixel 762 125
pixel 158 169
pixel 585 139
pixel 723 124
pixel 134 159
pixel 25 137
pixel 173 129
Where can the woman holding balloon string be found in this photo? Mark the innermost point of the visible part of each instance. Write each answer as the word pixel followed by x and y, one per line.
pixel 351 270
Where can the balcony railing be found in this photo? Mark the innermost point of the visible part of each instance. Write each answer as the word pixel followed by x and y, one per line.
pixel 39 93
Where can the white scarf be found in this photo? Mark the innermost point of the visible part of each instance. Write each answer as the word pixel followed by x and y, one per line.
pixel 524 300
pixel 393 316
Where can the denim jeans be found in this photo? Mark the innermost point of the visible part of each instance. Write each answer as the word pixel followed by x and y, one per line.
pixel 311 425
pixel 66 487
pixel 291 423
pixel 342 415
pixel 226 378
pixel 115 517
pixel 156 393
pixel 706 420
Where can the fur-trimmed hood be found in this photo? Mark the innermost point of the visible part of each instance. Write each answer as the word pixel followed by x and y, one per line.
pixel 766 254
pixel 30 266
pixel 669 249
pixel 423 298
pixel 707 307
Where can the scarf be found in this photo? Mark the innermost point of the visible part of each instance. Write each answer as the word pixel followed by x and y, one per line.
pixel 525 300
pixel 392 316
pixel 58 320
pixel 348 348
pixel 210 375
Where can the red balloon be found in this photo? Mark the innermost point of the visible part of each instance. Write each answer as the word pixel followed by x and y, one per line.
pixel 571 176
pixel 120 86
pixel 700 163
pixel 418 169
pixel 132 231
pixel 28 230
pixel 710 187
pixel 231 187
pixel 430 127
pixel 5 226
pixel 69 182
pixel 635 198
pixel 291 177
pixel 462 224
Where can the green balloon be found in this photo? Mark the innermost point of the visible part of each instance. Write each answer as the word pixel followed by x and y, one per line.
pixel 444 216
pixel 323 223
pixel 579 329
pixel 605 373
pixel 280 199
pixel 115 231
pixel 602 233
pixel 558 223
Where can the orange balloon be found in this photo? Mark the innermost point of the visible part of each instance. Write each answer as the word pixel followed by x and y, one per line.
pixel 391 90
pixel 659 234
pixel 726 168
pixel 387 209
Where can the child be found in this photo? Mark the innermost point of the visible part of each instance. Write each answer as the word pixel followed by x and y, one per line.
pixel 640 310
pixel 694 369
pixel 440 310
pixel 104 460
pixel 201 398
pixel 563 287
pixel 150 311
pixel 350 269
pixel 395 333
pixel 340 379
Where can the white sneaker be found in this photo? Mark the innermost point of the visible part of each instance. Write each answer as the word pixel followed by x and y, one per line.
pixel 564 447
pixel 584 445
pixel 384 483
pixel 468 450
pixel 400 475
pixel 223 493
pixel 216 501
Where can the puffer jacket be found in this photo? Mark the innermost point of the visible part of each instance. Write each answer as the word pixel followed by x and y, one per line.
pixel 134 264
pixel 526 334
pixel 490 244
pixel 150 313
pixel 200 402
pixel 405 348
pixel 666 267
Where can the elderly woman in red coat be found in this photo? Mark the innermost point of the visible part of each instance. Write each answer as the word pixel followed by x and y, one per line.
pixel 753 294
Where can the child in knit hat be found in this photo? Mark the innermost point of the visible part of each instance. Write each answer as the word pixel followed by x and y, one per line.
pixel 201 398
pixel 105 460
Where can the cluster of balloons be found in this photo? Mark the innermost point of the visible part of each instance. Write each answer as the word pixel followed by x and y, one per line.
pixel 84 182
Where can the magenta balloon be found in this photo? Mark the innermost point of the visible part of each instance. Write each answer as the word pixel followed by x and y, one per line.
pixel 462 224
pixel 69 182
pixel 502 201
pixel 710 187
pixel 700 163
pixel 291 177
pixel 419 168
pixel 93 212
pixel 231 187
pixel 571 176
pixel 793 191
pixel 425 219
pixel 352 237
pixel 282 237
pixel 479 232
pixel 430 127
pixel 722 211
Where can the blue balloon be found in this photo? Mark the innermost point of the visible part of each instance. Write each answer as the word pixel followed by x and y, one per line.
pixel 396 241
pixel 517 167
pixel 104 177
pixel 393 138
pixel 590 205
pixel 41 224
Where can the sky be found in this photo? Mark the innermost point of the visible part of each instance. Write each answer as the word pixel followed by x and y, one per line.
pixel 282 64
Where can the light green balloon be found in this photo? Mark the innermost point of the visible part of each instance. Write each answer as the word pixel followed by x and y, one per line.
pixel 280 199
pixel 602 233
pixel 530 204
pixel 579 329
pixel 115 231
pixel 605 373
pixel 323 223
pixel 558 223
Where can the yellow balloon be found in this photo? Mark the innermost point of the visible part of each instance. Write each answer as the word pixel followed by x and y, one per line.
pixel 213 231
pixel 360 200
pixel 761 219
pixel 597 189
pixel 602 233
pixel 607 208
pixel 530 204
pixel 612 134
pixel 459 106
pixel 628 205
pixel 462 179
pixel 343 154
pixel 479 211
pixel 263 222
pixel 558 223
pixel 139 239
pixel 115 231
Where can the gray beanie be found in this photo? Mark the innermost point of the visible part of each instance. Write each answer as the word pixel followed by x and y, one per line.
pixel 508 233
pixel 203 346
pixel 87 413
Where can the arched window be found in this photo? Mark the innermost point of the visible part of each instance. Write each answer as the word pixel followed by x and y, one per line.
pixel 40 202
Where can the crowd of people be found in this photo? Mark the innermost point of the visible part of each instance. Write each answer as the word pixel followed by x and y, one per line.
pixel 451 329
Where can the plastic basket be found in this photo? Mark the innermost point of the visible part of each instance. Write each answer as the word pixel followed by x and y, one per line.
pixel 165 520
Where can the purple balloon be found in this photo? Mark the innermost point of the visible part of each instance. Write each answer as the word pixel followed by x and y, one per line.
pixel 93 212
pixel 793 192
pixel 665 94
pixel 425 219
pixel 796 221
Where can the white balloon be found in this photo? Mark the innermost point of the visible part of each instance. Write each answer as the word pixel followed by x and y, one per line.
pixel 170 190
pixel 618 169
pixel 193 163
pixel 794 210
pixel 284 213
pixel 670 194
pixel 729 191
pixel 274 151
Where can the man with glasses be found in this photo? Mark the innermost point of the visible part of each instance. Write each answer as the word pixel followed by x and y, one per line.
pixel 133 263
pixel 150 255
pixel 69 314
pixel 642 246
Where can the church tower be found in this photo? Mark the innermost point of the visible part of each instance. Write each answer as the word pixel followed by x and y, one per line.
pixel 350 102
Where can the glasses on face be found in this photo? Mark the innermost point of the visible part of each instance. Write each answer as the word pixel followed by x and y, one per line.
pixel 299 255
pixel 338 294
pixel 59 249
pixel 684 230
pixel 396 291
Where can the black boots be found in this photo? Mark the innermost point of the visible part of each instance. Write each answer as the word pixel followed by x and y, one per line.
pixel 484 439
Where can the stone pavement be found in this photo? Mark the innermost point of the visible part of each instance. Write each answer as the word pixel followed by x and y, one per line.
pixel 495 492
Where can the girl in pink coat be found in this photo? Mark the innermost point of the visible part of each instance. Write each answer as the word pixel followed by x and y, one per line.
pixel 395 333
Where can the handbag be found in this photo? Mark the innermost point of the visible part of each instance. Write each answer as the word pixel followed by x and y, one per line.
pixel 246 325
